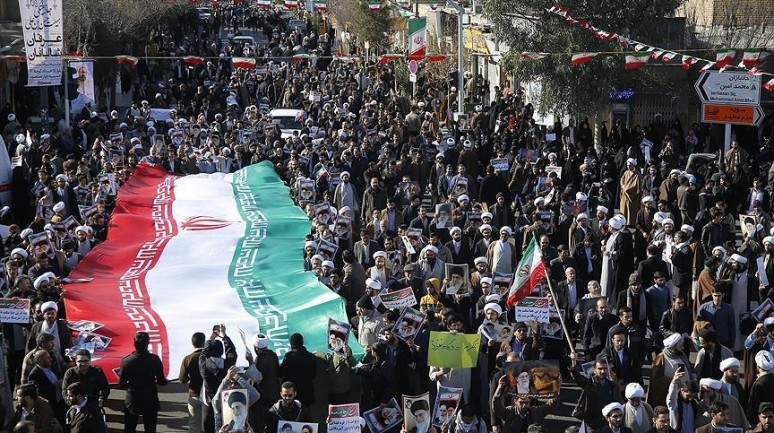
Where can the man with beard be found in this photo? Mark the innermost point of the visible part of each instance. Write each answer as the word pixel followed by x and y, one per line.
pixel 522 414
pixel 346 194
pixel 672 361
pixel 64 193
pixel 613 413
pixel 722 317
pixel 430 266
pixel 287 408
pixel 718 418
pixel 369 323
pixel 501 254
pixel 84 415
pixel 213 368
pixel 760 390
pixel 51 325
pixel 661 421
pixel 730 380
pixel 710 393
pixel 618 258
pixel 374 198
pixel 765 419
pixel 710 354
pixel 237 401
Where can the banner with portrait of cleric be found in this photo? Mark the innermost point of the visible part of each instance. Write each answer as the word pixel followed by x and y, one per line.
pixel 296 427
pixel 83 77
pixel 416 413
pixel 235 404
pixel 446 402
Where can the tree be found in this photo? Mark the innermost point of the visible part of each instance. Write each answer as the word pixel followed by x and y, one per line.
pixel 369 26
pixel 524 26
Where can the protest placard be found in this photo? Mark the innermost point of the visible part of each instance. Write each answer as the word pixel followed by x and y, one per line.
pixel 532 309
pixel 15 311
pixel 383 418
pixel 446 402
pixel 344 418
pixel 408 324
pixel 416 413
pixel 338 335
pixel 453 350
pixel 399 299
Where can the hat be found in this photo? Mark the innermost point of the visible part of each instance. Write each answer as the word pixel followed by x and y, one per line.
pixel 539 200
pixel 81 229
pixel 711 383
pixel 328 264
pixel 455 229
pixel 26 232
pixel 373 284
pixel 450 141
pixel 581 196
pixel 659 217
pixel 48 306
pixel 634 390
pixel 487 215
pixel 768 321
pixel 647 198
pixel 409 267
pixel 675 171
pixel 686 228
pixel 610 408
pixel 729 363
pixel 236 397
pixel 381 254
pixel 365 302
pixel 480 260
pixel 506 229
pixel 666 221
pixel 261 341
pixel 739 259
pixel 318 257
pixel 602 209
pixel 768 240
pixel 39 282
pixel 483 227
pixel 344 173
pixel 20 251
pixel 59 207
pixel 494 307
pixel 462 198
pixel 467 144
pixel 764 360
pixel 310 244
pixel 673 340
pixel 581 216
pixel 631 161
pixel 11 117
pixel 634 278
pixel 344 209
pixel 430 248
pixel 616 223
pixel 486 280
pixel 433 282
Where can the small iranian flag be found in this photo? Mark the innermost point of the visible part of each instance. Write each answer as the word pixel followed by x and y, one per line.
pixel 724 57
pixel 129 60
pixel 636 60
pixel 709 66
pixel 243 62
pixel 751 58
pixel 668 56
pixel 193 60
pixel 320 5
pixel 374 6
pixel 769 85
pixel 290 4
pixel 532 55
pixel 581 58
pixel 688 61
pixel 417 43
pixel 264 3
pixel 529 272
pixel 320 173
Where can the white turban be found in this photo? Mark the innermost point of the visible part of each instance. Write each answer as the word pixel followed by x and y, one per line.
pixel 673 340
pixel 602 209
pixel 647 198
pixel 48 306
pixel 328 264
pixel 261 341
pixel 480 260
pixel 431 248
pixel 39 282
pixel 539 200
pixel 492 297
pixel 739 259
pixel 668 221
pixel 59 207
pixel 20 251
pixel 729 363
pixel 610 408
pixel 381 254
pixel 494 307
pixel 686 228
pixel 487 215
pixel 711 383
pixel 581 216
pixel 26 232
pixel 616 223
pixel 484 227
pixel 768 240
pixel 462 198
pixel 486 280
pixel 634 390
pixel 659 217
pixel 631 161
pixel 455 229
pixel 506 229
pixel 764 361
pixel 581 196
pixel 373 284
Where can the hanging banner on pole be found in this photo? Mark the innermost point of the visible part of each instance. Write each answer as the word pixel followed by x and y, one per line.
pixel 417 30
pixel 83 77
pixel 43 41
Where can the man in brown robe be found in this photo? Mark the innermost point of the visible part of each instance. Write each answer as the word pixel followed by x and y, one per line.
pixel 631 191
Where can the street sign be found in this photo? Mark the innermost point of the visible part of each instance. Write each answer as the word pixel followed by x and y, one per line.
pixel 733 114
pixel 732 88
pixel 413 78
pixel 413 66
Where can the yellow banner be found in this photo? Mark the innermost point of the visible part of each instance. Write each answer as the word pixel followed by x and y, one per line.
pixel 453 350
pixel 474 40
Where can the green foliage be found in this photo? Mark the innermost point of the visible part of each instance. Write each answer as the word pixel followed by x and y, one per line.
pixel 372 26
pixel 523 26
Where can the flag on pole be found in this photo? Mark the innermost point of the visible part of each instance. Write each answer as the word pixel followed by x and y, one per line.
pixel 751 57
pixel 688 61
pixel 290 4
pixel 264 3
pixel 193 251
pixel 529 272
pixel 581 58
pixel 417 33
pixel 129 60
pixel 243 62
pixel 636 60
pixel 320 5
pixel 769 85
pixel 374 6
pixel 532 55
pixel 724 57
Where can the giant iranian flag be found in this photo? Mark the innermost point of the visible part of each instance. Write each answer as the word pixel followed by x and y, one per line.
pixel 186 253
pixel 417 31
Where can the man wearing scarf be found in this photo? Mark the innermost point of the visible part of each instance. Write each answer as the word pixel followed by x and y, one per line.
pixel 665 366
pixel 634 298
pixel 710 394
pixel 705 283
pixel 631 190
pixel 730 380
pixel 635 337
pixel 710 355
pixel 638 415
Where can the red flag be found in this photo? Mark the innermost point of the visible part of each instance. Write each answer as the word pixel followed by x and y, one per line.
pixel 193 60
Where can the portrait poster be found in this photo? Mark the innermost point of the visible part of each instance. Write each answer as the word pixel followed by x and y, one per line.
pixel 500 164
pixel 765 310
pixel 416 413
pixel 553 328
pixel 446 402
pixel 296 427
pixel 235 403
pixel 338 335
pixel 84 80
pixel 497 332
pixel 458 275
pixel 306 190
pixel 409 323
pixel 443 215
pixel 534 379
pixel 747 223
pixel 381 419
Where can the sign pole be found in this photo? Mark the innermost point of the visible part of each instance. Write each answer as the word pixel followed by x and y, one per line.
pixel 726 140
pixel 66 95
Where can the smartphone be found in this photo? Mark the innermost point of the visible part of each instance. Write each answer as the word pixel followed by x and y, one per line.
pixel 216 328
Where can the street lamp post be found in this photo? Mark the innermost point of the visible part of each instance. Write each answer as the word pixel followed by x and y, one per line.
pixel 460 50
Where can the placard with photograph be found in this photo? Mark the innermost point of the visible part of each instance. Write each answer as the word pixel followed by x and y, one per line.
pixel 446 402
pixel 416 413
pixel 383 418
pixel 234 408
pixel 409 323
pixel 459 276
pixel 338 335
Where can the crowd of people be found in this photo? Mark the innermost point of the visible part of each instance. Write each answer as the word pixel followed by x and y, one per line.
pixel 644 259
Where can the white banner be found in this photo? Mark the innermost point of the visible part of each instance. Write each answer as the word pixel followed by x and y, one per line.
pixel 42 25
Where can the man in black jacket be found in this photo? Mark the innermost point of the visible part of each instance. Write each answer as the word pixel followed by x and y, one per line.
pixel 213 369
pixel 596 329
pixel 287 408
pixel 140 372
pixel 676 320
pixel 300 367
pixel 598 392
pixel 84 415
pixel 92 378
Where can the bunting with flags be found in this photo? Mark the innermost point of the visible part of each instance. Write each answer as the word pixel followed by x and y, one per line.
pixel 581 58
pixel 532 55
pixel 636 60
pixel 129 60
pixel 243 62
pixel 751 57
pixel 374 6
pixel 724 57
pixel 193 60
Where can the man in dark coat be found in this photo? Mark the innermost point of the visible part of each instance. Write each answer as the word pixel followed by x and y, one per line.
pixel 760 391
pixel 300 367
pixel 84 415
pixel 140 372
pixel 213 369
